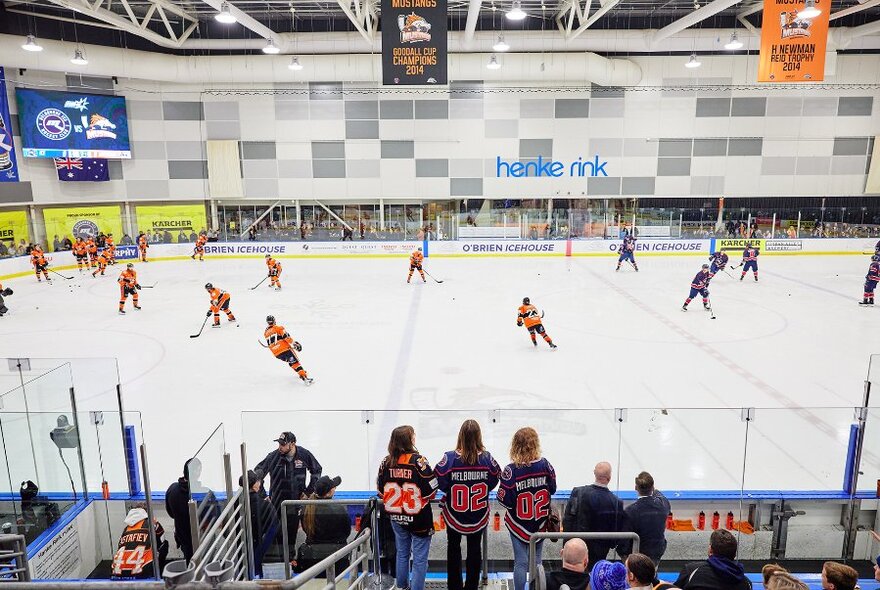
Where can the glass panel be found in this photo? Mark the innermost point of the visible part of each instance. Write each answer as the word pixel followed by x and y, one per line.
pixel 207 478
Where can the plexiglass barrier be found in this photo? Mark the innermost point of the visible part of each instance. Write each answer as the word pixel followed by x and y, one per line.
pixel 207 478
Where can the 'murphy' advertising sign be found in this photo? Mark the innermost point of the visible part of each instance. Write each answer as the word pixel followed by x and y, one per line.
pixel 413 42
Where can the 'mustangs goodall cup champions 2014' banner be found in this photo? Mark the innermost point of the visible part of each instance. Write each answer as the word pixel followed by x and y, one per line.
pixel 84 222
pixel 8 163
pixel 793 40
pixel 413 42
pixel 14 227
pixel 172 219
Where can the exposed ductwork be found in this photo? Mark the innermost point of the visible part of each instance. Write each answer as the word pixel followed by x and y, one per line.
pixel 571 68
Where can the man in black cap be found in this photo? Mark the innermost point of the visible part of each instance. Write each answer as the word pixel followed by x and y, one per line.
pixel 287 468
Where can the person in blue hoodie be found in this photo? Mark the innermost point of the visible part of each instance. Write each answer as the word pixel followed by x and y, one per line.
pixel 720 571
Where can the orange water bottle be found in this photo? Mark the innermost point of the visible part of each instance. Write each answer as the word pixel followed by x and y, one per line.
pixel 716 520
pixel 357 523
pixel 496 522
pixel 669 521
pixel 442 522
pixel 729 524
pixel 701 521
pixel 105 490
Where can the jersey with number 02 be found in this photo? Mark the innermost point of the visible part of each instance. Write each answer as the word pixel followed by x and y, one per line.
pixel 466 490
pixel 134 552
pixel 526 492
pixel 407 487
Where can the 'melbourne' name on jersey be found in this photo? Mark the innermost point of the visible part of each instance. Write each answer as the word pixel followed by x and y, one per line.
pixel 469 475
pixel 531 482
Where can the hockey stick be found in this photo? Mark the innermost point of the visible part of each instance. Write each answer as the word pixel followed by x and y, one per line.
pixel 260 283
pixel 59 274
pixel 261 343
pixel 429 274
pixel 205 323
pixel 149 286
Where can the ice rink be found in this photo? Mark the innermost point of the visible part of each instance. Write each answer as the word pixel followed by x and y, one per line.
pixel 374 342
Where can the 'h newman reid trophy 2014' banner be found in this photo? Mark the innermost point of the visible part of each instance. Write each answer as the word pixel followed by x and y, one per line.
pixel 413 42
pixel 792 46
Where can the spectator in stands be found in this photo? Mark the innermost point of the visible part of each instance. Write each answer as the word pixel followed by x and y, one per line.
pixel 647 517
pixel 181 237
pixel 177 506
pixel 574 567
pixel 595 509
pixel 465 476
pixel 133 559
pixel 66 244
pixel 640 571
pixel 4 251
pixel 327 527
pixel 407 485
pixel 526 487
pixel 720 571
pixel 608 575
pixel 56 244
pixel 23 248
pixel 837 576
pixel 769 570
pixel 288 467
pixel 261 514
pixel 126 240
pixel 347 233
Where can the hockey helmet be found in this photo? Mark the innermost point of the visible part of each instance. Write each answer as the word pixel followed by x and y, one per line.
pixel 526 301
pixel 209 286
pixel 875 258
pixel 705 266
pixel 129 265
pixel 268 256
pixel 270 319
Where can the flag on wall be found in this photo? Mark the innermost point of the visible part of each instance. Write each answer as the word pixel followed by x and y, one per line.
pixel 8 164
pixel 82 170
pixel 794 34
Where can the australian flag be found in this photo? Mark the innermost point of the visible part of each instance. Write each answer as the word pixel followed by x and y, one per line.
pixel 82 170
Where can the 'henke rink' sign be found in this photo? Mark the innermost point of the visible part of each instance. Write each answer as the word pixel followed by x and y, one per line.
pixel 548 167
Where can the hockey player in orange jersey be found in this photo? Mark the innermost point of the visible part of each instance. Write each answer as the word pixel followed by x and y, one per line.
pixel 128 285
pixel 92 249
pixel 219 301
pixel 81 252
pixel 38 259
pixel 274 272
pixel 101 261
pixel 284 347
pixel 110 249
pixel 142 246
pixel 200 247
pixel 415 263
pixel 528 315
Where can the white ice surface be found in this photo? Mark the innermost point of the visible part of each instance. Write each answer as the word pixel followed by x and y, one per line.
pixel 797 338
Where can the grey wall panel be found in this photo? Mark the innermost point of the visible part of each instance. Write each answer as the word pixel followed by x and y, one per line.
pixel 855 106
pixel 222 130
pixel 572 108
pixel 221 111
pixel 744 146
pixel 362 109
pixel 398 149
pixel 713 107
pixel 749 107
pixel 432 109
pixel 185 150
pixel 710 147
pixel 328 168
pixel 674 167
pixel 187 169
pixel 114 169
pixel 432 167
pixel 148 150
pixel 16 192
pixel 603 186
pixel 637 185
pixel 258 150
pixel 294 168
pixel 606 109
pixel 532 148
pixel 851 146
pixel 144 110
pixel 328 149
pixel 785 106
pixel 675 147
pixel 395 109
pixel 182 111
pixel 362 129
pixel 820 106
pixel 466 187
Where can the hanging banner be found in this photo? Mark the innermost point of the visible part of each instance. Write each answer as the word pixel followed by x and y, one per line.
pixel 8 163
pixel 85 222
pixel 413 42
pixel 14 228
pixel 793 46
pixel 171 224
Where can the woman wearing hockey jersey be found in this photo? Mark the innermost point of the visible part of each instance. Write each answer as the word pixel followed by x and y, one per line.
pixel 466 476
pixel 527 485
pixel 407 485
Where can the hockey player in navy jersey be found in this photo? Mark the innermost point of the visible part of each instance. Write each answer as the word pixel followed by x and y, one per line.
pixel 466 476
pixel 719 262
pixel 700 285
pixel 627 253
pixel 871 280
pixel 527 485
pixel 750 261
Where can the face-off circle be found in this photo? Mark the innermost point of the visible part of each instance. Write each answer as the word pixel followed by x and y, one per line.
pixel 53 124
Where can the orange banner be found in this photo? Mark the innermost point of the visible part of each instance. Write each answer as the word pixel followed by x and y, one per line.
pixel 793 43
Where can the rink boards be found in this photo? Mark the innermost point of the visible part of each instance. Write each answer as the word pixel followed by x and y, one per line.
pixel 20 266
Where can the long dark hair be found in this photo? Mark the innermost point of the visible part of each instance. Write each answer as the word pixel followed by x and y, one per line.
pixel 470 442
pixel 401 442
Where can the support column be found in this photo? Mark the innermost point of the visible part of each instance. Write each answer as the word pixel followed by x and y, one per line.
pixel 382 214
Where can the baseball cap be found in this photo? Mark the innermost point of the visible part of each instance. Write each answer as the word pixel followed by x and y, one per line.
pixel 286 437
pixel 252 476
pixel 326 483
pixel 608 575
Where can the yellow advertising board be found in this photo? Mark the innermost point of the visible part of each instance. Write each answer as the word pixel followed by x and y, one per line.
pixel 14 227
pixel 794 34
pixel 173 219
pixel 86 222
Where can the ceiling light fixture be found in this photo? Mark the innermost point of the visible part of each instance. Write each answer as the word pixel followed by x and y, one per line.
pixel 271 48
pixel 78 58
pixel 493 63
pixel 810 10
pixel 501 46
pixel 225 16
pixel 734 42
pixel 693 62
pixel 516 12
pixel 31 44
pixel 295 65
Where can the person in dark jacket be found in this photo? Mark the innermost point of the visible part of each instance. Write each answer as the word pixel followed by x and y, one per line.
pixel 177 506
pixel 647 517
pixel 574 567
pixel 595 509
pixel 720 571
pixel 287 468
pixel 263 520
pixel 327 527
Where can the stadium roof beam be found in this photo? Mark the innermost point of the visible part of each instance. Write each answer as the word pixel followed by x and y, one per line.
pixel 245 20
pixel 470 26
pixel 854 9
pixel 693 18
pixel 363 17
pixel 585 20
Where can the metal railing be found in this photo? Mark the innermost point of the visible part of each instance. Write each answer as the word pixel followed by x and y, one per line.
pixel 535 537
pixel 226 539
pixel 13 559
pixel 357 553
